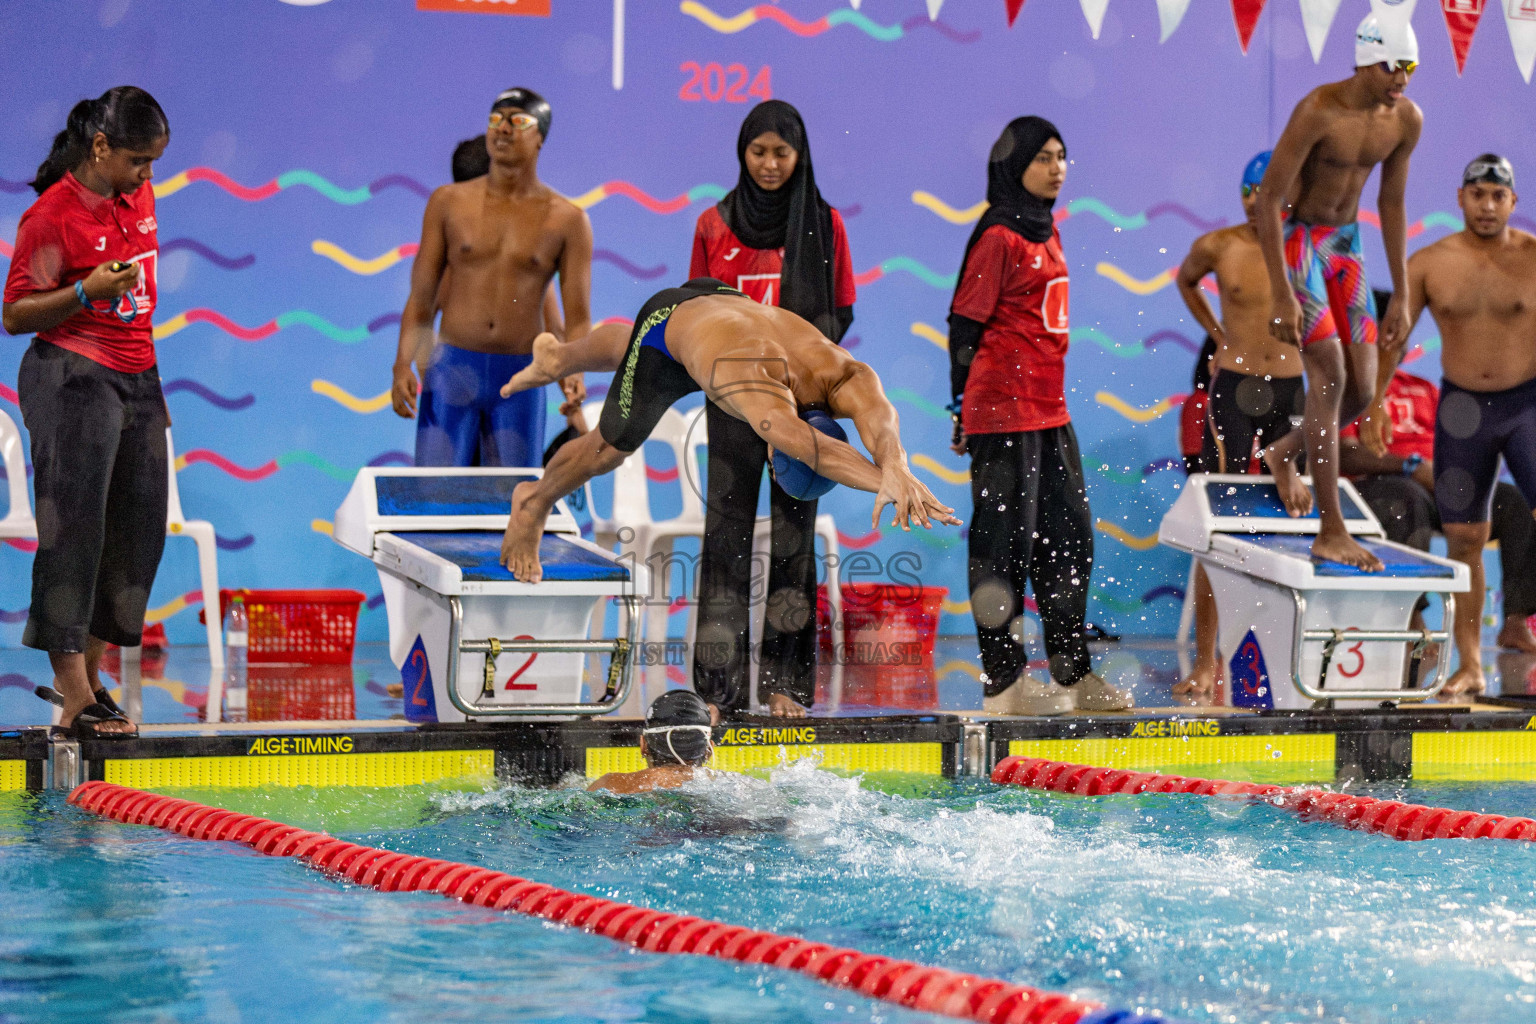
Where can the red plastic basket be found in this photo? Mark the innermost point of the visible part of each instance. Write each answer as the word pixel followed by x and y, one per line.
pixel 299 693
pixel 884 623
pixel 298 627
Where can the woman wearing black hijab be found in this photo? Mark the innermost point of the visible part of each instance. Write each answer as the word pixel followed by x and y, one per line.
pixel 1007 347
pixel 777 240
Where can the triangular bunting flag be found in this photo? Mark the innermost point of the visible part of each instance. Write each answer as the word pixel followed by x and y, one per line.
pixel 1169 14
pixel 1094 10
pixel 1520 19
pixel 1013 10
pixel 1246 14
pixel 933 9
pixel 1317 17
pixel 1461 18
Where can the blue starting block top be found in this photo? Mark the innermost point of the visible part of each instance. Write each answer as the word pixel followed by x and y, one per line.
pixel 1398 563
pixel 476 553
pixel 446 496
pixel 1262 501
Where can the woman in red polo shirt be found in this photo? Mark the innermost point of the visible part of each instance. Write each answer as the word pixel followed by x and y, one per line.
pixel 82 279
pixel 1008 347
pixel 774 238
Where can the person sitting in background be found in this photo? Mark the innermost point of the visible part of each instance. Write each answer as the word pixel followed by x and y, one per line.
pixel 675 743
pixel 1399 487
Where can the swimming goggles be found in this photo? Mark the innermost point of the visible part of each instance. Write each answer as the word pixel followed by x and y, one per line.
pixel 1391 67
pixel 519 121
pixel 85 302
pixel 1497 172
pixel 668 730
pixel 1249 189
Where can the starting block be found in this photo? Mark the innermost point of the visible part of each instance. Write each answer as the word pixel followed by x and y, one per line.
pixel 455 610
pixel 1293 630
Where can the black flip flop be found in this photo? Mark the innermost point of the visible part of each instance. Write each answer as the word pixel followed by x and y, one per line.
pixel 82 727
pixel 103 698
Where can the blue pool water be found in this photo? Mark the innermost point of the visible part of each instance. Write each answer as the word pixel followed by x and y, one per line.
pixel 1205 910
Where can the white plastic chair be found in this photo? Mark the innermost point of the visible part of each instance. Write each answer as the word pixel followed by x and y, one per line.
pixel 201 532
pixel 18 522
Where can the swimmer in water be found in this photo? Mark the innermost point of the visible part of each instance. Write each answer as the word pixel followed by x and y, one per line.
pixel 675 743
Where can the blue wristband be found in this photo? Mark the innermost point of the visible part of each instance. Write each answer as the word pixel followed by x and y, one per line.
pixel 85 303
pixel 1412 463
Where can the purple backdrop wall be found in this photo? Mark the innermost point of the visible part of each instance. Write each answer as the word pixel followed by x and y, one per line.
pixel 334 119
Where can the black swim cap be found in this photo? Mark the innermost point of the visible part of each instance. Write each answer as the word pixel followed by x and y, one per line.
pixel 529 102
pixel 678 724
pixel 1490 168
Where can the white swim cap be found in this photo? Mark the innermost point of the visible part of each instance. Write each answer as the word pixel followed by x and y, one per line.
pixel 1376 43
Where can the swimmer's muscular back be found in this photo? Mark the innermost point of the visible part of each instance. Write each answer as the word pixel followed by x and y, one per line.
pixel 729 343
pixel 503 250
pixel 1347 143
pixel 1234 256
pixel 1482 295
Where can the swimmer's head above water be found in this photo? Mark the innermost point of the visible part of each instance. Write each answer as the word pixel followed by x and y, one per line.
pixel 677 730
pixel 676 741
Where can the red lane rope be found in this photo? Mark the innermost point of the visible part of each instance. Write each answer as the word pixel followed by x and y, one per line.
pixel 1390 818
pixel 929 989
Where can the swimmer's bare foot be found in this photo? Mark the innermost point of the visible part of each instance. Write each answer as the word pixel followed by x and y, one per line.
pixel 1516 635
pixel 1466 681
pixel 1200 687
pixel 520 544
pixel 1294 494
pixel 544 369
pixel 781 706
pixel 1338 546
pixel 395 689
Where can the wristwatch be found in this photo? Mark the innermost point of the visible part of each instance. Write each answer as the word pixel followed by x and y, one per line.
pixel 1412 463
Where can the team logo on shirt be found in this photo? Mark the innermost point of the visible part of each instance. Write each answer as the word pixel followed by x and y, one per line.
pixel 1053 307
pixel 758 287
pixel 147 225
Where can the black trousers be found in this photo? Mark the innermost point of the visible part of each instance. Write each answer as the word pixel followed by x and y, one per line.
pixel 1029 524
pixel 1407 512
pixel 99 469
pixel 728 577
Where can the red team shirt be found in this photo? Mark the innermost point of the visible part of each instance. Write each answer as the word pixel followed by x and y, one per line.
pixel 1019 290
pixel 718 253
pixel 1411 404
pixel 62 238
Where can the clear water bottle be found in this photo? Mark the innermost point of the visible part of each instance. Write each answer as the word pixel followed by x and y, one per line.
pixel 236 645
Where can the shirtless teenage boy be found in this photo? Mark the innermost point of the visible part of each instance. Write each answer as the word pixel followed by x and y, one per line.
pixel 761 364
pixel 1255 386
pixel 1480 286
pixel 489 248
pixel 1320 301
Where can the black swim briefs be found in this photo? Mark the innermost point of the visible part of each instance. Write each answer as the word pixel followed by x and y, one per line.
pixel 649 380
pixel 1472 429
pixel 1243 407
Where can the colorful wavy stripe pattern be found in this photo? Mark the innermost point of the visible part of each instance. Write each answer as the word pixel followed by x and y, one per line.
pixel 1135 415
pixel 1130 478
pixel 288 179
pixel 218 259
pixel 676 204
pixel 1082 205
pixel 390 257
pixel 906 264
pixel 293 458
pixel 807 29
pixel 208 395
pixel 347 400
pixel 294 317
